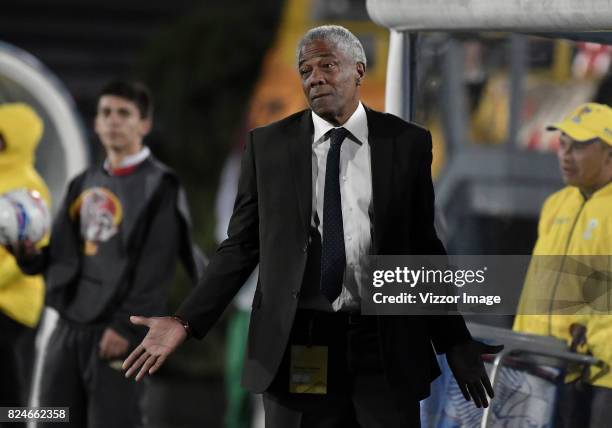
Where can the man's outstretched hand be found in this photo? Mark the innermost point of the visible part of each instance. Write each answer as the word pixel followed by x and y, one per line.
pixel 164 336
pixel 466 364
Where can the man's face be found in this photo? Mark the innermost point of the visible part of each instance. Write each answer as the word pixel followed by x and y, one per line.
pixel 586 165
pixel 119 124
pixel 330 80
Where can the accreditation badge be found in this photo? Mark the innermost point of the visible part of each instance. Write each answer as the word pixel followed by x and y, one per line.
pixel 308 369
pixel 90 248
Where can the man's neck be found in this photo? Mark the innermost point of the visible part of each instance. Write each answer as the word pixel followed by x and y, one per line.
pixel 343 117
pixel 116 157
pixel 588 192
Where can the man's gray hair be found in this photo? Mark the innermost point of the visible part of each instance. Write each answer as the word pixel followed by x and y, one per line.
pixel 337 35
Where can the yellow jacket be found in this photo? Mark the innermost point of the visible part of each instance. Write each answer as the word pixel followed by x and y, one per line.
pixel 570 273
pixel 21 296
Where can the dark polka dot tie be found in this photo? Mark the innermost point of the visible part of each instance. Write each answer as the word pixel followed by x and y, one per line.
pixel 333 256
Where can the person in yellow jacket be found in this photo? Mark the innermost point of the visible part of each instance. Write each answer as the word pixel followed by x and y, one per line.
pixel 21 296
pixel 567 289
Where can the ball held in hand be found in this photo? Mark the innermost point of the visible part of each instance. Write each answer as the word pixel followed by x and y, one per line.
pixel 24 216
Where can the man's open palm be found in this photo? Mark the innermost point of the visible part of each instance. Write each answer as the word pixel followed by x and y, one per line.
pixel 164 336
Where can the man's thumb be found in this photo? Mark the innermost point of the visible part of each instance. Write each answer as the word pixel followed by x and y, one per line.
pixel 134 319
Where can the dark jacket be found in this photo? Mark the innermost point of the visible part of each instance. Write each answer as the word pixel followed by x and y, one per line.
pixel 270 225
pixel 133 277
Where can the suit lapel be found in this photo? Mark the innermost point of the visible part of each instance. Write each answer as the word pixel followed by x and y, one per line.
pixel 300 153
pixel 381 154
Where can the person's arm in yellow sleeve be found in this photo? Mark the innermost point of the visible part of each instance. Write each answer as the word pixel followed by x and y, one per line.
pixel 9 270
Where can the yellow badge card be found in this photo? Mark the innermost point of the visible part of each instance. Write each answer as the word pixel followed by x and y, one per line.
pixel 308 370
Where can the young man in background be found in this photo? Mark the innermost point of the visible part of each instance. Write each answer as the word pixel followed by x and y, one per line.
pixel 112 253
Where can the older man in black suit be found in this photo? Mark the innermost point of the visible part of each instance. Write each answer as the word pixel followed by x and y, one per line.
pixel 319 191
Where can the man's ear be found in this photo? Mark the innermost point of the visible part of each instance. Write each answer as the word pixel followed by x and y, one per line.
pixel 361 70
pixel 146 125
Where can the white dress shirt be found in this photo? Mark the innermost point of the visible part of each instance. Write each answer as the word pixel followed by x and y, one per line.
pixel 356 194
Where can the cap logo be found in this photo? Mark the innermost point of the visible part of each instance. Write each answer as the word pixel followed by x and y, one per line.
pixel 578 117
pixel 608 131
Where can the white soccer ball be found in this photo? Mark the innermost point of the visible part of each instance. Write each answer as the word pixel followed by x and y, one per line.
pixel 24 216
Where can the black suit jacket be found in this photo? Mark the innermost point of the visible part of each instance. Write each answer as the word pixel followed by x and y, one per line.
pixel 270 225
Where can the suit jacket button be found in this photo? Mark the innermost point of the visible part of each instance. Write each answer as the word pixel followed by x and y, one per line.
pixel 305 247
pixel 295 294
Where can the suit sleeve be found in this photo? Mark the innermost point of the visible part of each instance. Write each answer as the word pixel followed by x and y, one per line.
pixel 447 330
pixel 235 258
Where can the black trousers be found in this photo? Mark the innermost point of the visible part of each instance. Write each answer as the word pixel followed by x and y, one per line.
pixel 95 390
pixel 358 394
pixel 15 363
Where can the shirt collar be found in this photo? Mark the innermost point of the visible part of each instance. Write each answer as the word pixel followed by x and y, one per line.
pixel 604 191
pixel 357 125
pixel 129 161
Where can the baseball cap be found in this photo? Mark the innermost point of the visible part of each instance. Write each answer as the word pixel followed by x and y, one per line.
pixel 587 122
